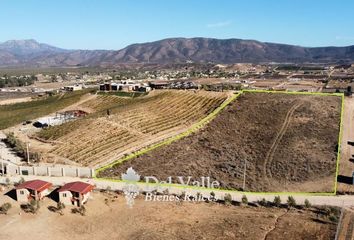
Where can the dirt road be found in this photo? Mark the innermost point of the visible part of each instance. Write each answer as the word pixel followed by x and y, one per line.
pixel 284 127
pixel 108 217
pixel 346 166
pixel 340 201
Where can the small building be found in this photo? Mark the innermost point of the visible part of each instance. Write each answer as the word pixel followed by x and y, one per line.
pixel 75 193
pixel 32 190
pixel 107 87
pixel 114 87
pixel 73 88
pixel 144 89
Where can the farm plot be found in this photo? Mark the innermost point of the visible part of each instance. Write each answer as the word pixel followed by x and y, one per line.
pixel 16 113
pixel 132 123
pixel 285 142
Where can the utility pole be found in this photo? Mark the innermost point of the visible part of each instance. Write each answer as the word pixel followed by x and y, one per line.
pixel 28 156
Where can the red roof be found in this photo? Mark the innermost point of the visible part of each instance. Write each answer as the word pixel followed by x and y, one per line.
pixel 79 187
pixel 36 185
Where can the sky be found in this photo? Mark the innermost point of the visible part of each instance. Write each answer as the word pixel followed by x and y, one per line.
pixel 114 24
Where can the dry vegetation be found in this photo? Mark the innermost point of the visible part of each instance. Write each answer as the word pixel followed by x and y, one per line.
pixel 288 141
pixel 108 217
pixel 132 123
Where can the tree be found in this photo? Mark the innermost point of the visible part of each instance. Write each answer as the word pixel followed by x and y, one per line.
pixel 291 201
pixel 277 201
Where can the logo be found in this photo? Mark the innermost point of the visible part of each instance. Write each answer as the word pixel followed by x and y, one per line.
pixel 156 190
pixel 131 189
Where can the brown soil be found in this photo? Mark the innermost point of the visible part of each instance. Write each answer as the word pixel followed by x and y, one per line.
pixel 288 141
pixel 112 219
pixel 346 228
pixel 346 164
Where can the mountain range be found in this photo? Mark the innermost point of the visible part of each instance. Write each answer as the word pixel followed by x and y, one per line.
pixel 30 53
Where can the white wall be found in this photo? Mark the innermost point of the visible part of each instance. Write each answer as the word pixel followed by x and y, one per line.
pixel 22 195
pixel 65 197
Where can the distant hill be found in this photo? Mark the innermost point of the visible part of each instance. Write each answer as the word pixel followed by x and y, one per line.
pixel 30 53
pixel 27 47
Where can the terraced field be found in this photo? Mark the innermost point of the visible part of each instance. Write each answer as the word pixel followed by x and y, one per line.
pixel 131 124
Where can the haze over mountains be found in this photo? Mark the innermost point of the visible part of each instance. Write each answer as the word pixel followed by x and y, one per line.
pixel 30 53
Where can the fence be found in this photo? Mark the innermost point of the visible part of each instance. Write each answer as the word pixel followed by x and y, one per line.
pixel 51 171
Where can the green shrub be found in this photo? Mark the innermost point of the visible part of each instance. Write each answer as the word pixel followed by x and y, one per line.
pixel 60 205
pixel 20 147
pixel 228 199
pixel 291 202
pixel 244 200
pixel 212 196
pixel 5 208
pixel 307 203
pixel 277 201
pixel 80 210
pixel 263 202
pixel 31 207
pixel 333 218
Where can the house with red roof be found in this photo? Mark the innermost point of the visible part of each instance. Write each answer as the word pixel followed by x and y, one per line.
pixel 76 193
pixel 32 190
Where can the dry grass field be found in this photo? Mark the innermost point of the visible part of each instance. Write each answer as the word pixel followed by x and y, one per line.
pixel 288 142
pixel 112 219
pixel 132 123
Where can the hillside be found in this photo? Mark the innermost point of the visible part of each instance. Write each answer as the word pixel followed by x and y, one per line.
pixel 29 53
pixel 288 142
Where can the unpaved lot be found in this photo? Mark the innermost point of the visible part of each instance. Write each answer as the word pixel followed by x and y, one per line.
pixel 112 219
pixel 288 143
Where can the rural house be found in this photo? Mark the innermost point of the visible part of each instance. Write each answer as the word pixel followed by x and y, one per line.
pixel 76 193
pixel 32 190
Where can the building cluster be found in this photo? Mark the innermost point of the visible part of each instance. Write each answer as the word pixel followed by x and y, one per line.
pixel 174 85
pixel 125 86
pixel 73 193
